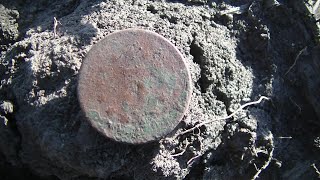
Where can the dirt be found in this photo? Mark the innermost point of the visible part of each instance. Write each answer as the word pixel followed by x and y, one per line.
pixel 236 51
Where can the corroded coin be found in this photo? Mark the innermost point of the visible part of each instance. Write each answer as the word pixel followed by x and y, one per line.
pixel 134 86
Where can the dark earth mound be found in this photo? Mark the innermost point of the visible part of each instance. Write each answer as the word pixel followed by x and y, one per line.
pixel 236 51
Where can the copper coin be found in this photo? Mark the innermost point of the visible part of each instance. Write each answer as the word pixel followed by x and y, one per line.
pixel 134 86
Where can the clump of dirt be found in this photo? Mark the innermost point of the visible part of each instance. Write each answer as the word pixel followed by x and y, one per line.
pixel 237 51
pixel 9 27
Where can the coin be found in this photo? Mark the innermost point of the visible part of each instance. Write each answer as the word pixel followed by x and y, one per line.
pixel 134 86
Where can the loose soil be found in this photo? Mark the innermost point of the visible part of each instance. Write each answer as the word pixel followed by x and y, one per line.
pixel 236 51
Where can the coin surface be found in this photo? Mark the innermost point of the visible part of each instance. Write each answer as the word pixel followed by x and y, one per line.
pixel 134 86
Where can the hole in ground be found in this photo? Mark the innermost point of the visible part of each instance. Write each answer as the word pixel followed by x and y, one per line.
pixel 197 52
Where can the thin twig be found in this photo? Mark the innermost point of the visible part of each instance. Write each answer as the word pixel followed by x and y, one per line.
pixel 316 169
pixel 192 159
pixel 55 25
pixel 270 138
pixel 224 118
pixel 295 60
pixel 190 162
pixel 180 153
pixel 296 105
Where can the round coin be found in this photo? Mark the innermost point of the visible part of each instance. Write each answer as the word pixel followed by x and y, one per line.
pixel 134 86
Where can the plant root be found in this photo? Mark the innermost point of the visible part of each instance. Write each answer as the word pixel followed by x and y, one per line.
pixel 269 137
pixel 224 118
pixel 316 169
pixel 55 25
pixel 295 60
